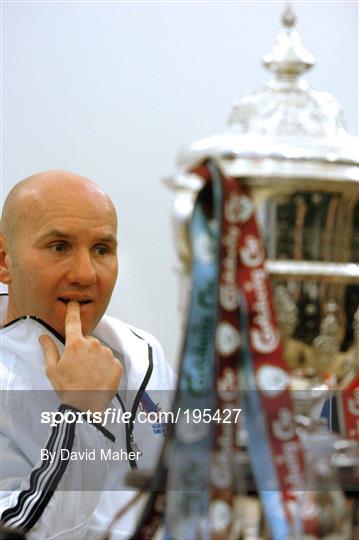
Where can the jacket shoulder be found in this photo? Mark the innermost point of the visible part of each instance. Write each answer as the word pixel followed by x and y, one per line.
pixel 138 337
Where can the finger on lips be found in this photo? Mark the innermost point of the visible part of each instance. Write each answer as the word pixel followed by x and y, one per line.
pixel 73 326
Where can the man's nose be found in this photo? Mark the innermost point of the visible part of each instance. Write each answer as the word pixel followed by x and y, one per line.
pixel 82 271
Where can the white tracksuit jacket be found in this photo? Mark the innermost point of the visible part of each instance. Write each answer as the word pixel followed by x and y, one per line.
pixel 68 498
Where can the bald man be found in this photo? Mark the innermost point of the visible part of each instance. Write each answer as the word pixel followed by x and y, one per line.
pixel 58 258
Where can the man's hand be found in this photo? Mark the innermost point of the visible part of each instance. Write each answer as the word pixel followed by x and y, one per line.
pixel 87 375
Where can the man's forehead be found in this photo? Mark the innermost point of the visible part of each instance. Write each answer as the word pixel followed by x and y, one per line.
pixel 70 218
pixel 71 206
pixel 74 194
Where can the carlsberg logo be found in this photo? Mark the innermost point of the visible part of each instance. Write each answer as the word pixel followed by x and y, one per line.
pixel 265 338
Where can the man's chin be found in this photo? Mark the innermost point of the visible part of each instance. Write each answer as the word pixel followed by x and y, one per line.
pixel 86 328
pixel 88 321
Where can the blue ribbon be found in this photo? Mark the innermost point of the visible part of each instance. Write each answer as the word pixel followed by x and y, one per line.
pixel 189 455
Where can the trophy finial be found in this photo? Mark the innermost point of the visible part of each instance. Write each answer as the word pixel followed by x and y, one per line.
pixel 286 106
pixel 288 58
pixel 288 18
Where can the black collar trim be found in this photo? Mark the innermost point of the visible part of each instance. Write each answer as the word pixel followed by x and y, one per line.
pixel 37 319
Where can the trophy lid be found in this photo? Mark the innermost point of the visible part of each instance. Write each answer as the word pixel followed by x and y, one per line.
pixel 284 129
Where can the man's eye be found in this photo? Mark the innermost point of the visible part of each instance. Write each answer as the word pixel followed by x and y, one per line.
pixel 102 250
pixel 59 247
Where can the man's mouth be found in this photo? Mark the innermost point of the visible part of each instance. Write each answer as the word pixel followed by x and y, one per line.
pixel 81 301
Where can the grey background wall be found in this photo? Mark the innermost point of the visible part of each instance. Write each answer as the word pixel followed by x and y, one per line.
pixel 112 90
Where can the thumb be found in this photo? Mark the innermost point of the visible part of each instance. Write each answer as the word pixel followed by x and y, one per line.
pixel 51 353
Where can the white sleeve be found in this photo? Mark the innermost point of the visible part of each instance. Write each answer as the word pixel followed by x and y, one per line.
pixel 57 497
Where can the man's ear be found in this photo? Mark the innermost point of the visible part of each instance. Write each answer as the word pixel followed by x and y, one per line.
pixel 5 274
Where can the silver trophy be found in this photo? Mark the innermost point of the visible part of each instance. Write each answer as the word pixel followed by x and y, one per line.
pixel 288 144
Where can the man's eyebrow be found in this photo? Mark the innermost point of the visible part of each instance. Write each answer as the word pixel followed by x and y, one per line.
pixel 57 233
pixel 108 239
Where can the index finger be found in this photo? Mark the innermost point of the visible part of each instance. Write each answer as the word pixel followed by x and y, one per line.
pixel 73 327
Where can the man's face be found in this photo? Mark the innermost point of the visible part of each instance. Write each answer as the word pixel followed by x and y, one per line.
pixel 65 249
